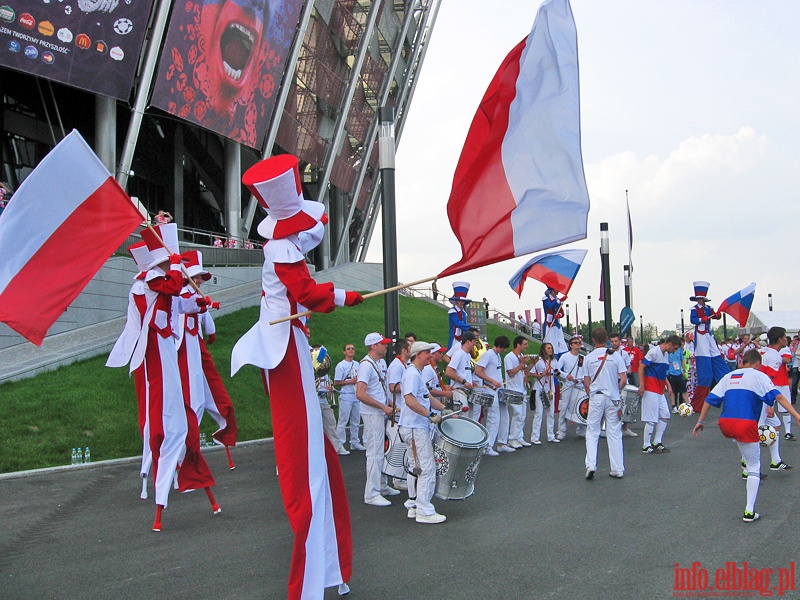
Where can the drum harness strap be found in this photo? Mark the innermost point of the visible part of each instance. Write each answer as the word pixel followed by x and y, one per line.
pixel 385 387
pixel 602 364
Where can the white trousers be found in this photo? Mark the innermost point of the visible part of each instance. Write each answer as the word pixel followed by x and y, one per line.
pixel 349 412
pixel 569 395
pixel 537 420
pixel 518 413
pixel 426 481
pixel 329 423
pixel 504 424
pixel 492 422
pixel 374 431
pixel 601 406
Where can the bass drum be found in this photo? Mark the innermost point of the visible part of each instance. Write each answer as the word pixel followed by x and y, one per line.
pixel 580 409
pixel 394 452
pixel 458 445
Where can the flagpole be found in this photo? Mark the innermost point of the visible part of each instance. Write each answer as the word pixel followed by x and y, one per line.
pixel 370 295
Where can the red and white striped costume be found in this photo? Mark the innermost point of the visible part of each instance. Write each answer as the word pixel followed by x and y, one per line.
pixel 312 484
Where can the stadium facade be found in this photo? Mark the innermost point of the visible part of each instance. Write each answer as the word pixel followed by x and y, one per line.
pixel 180 99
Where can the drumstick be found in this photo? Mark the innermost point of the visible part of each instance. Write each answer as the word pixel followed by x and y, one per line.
pixel 416 471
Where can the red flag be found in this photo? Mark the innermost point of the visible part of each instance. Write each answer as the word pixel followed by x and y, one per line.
pixel 65 220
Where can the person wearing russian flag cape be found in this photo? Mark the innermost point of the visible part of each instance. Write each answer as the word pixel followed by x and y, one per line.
pixel 709 362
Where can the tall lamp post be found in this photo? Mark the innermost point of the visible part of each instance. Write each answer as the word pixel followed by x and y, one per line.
pixel 606 268
pixel 386 154
pixel 568 318
pixel 589 327
pixel 641 332
pixel 769 297
pixel 683 327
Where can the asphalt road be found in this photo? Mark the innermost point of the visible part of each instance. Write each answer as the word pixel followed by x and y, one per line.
pixel 535 528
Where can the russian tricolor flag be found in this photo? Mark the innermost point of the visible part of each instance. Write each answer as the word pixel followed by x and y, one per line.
pixel 554 269
pixel 519 185
pixel 738 305
pixel 65 220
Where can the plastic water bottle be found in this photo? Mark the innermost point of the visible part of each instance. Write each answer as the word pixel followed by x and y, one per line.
pixel 87 455
pixel 203 443
pixel 74 456
pixel 79 457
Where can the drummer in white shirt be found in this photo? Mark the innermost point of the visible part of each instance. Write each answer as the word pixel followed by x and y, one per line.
pixel 518 365
pixel 490 370
pixel 459 369
pixel 431 377
pixel 604 375
pixel 569 370
pixel 394 375
pixel 415 423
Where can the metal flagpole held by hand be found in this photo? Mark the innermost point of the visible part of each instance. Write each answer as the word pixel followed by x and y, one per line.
pixel 370 295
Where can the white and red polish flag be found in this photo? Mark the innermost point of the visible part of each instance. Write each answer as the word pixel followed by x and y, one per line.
pixel 519 185
pixel 64 221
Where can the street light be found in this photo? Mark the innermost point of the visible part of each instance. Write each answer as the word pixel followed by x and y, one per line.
pixel 589 328
pixel 683 328
pixel 641 332
pixel 567 318
pixel 769 297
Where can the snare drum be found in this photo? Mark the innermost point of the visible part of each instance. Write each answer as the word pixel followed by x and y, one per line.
pixel 458 445
pixel 394 452
pixel 630 400
pixel 481 396
pixel 460 398
pixel 510 396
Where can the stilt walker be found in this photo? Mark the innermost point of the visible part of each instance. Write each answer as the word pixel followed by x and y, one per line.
pixel 312 484
pixel 123 350
pixel 195 361
pixel 457 316
pixel 709 362
pixel 551 328
pixel 174 435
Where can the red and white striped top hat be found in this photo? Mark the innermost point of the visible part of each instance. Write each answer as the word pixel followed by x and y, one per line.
pixel 158 254
pixel 275 183
pixel 141 256
pixel 193 261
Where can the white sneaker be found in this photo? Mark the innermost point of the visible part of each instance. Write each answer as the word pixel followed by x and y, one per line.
pixel 674 410
pixel 342 452
pixel 490 452
pixel 536 442
pixel 505 448
pixel 387 491
pixel 560 436
pixel 434 518
pixel 400 484
pixel 356 446
pixel 555 441
pixel 412 513
pixel 629 433
pixel 377 501
pixel 515 444
pixel 523 443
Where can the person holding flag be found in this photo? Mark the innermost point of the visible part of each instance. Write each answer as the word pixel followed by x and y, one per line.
pixel 709 362
pixel 310 475
pixel 457 316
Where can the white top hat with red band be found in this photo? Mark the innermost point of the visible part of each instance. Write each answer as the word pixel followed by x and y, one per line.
pixel 158 254
pixel 275 183
pixel 193 261
pixel 140 255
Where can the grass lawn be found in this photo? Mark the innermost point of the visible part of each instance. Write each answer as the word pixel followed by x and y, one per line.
pixel 87 404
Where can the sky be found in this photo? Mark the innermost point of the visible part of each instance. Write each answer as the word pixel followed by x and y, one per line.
pixel 689 105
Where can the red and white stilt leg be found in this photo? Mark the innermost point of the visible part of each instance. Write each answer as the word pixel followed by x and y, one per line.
pixel 231 466
pixel 157 522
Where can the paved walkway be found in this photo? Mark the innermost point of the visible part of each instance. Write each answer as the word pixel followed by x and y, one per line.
pixel 534 529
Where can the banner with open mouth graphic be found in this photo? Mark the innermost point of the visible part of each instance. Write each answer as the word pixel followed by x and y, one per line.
pixel 222 61
pixel 93 45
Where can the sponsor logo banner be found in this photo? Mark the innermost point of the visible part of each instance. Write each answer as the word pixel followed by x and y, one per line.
pixel 91 44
